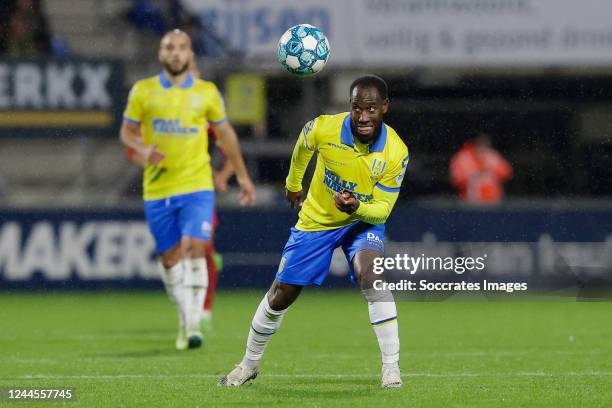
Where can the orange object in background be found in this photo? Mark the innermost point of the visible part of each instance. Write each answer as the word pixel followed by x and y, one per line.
pixel 479 172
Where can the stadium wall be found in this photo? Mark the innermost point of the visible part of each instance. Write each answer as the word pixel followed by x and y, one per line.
pixel 113 249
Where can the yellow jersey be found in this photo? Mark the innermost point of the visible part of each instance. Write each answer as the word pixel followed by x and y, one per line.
pixel 373 172
pixel 176 119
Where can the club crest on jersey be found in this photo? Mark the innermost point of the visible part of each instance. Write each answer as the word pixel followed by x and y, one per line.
pixel 195 101
pixel 378 167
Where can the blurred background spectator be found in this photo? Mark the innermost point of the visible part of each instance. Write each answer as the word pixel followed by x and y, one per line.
pixel 159 16
pixel 24 32
pixel 479 172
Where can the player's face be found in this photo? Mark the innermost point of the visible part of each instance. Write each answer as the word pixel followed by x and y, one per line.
pixel 367 110
pixel 175 53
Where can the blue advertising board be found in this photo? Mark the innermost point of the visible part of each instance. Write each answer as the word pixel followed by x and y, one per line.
pixel 104 249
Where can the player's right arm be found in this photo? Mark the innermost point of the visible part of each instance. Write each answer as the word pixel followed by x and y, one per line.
pixel 130 128
pixel 302 153
pixel 304 148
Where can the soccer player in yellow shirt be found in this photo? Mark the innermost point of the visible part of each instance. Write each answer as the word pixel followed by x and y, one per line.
pixel 360 167
pixel 165 122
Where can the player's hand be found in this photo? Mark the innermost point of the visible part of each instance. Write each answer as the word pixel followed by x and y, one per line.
pixel 220 179
pixel 346 202
pixel 152 155
pixel 294 198
pixel 247 192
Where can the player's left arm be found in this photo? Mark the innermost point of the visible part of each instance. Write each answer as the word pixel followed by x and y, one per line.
pixel 220 177
pixel 231 148
pixel 384 196
pixel 228 142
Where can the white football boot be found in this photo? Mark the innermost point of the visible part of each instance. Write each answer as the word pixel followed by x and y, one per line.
pixel 238 376
pixel 391 377
pixel 181 339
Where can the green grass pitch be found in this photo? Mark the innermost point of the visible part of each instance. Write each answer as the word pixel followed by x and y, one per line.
pixel 117 349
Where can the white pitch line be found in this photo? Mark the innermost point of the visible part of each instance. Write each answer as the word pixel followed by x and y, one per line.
pixel 497 353
pixel 306 376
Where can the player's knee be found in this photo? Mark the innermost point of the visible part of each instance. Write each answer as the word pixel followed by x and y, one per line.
pixel 366 280
pixel 171 257
pixel 281 296
pixel 365 276
pixel 169 261
pixel 197 247
pixel 278 300
pixel 363 266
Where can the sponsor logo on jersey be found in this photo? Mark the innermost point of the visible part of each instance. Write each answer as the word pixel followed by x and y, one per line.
pixel 305 131
pixel 400 177
pixel 333 162
pixel 337 184
pixel 374 239
pixel 308 127
pixel 172 126
pixel 206 227
pixel 337 146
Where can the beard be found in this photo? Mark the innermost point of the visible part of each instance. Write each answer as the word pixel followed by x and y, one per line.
pixel 176 72
pixel 365 138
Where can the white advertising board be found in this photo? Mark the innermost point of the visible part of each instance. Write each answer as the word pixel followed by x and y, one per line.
pixel 423 32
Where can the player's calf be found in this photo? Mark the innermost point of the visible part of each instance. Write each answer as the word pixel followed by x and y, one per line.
pixel 263 326
pixel 173 277
pixel 195 283
pixel 383 318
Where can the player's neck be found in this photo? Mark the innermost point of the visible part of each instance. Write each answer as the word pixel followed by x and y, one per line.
pixel 371 142
pixel 176 80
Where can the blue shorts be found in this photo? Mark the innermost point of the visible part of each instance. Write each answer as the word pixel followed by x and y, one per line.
pixel 307 254
pixel 189 215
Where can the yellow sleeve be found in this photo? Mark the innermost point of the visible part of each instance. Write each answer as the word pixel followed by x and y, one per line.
pixel 134 108
pixel 378 209
pixel 302 153
pixel 216 109
pixel 385 193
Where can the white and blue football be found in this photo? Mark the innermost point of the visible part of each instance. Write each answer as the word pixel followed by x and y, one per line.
pixel 303 50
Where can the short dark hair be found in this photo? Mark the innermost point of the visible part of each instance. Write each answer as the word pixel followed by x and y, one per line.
pixel 371 81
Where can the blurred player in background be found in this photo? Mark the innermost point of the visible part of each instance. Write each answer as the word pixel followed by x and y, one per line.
pixel 479 172
pixel 360 167
pixel 165 122
pixel 214 260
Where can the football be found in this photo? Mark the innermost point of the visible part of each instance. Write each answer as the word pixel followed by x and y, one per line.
pixel 303 50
